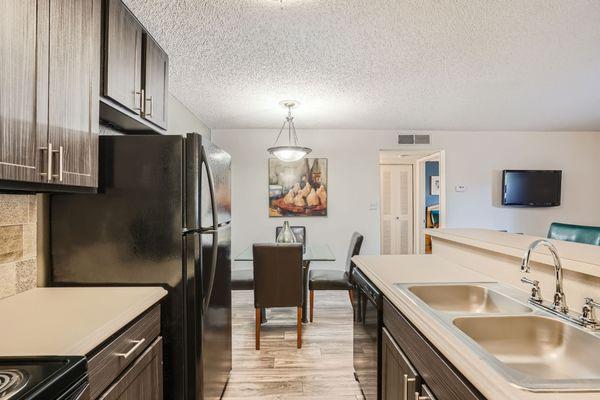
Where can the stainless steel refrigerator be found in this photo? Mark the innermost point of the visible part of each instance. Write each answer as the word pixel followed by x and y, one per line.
pixel 162 217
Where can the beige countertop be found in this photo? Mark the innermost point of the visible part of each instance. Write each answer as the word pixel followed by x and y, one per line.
pixel 384 271
pixel 69 321
pixel 577 257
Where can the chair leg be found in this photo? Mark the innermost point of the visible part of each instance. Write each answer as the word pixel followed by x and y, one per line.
pixel 299 327
pixel 312 305
pixel 257 322
pixel 351 294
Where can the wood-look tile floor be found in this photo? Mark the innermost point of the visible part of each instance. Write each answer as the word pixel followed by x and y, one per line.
pixel 322 369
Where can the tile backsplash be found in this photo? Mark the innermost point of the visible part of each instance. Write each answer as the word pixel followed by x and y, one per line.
pixel 18 229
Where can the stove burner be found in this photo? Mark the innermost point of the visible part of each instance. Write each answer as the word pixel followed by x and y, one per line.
pixel 11 382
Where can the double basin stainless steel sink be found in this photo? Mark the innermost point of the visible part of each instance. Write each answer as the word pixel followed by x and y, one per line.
pixel 531 348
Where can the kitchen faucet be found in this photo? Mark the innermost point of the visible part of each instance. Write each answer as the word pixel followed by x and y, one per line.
pixel 558 306
pixel 560 301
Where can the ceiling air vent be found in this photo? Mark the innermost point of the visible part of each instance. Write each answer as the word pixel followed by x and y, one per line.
pixel 414 139
pixel 406 139
pixel 422 139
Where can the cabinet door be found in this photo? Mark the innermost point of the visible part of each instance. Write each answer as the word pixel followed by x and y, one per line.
pixel 122 72
pixel 143 380
pixel 74 79
pixel 156 86
pixel 23 92
pixel 399 379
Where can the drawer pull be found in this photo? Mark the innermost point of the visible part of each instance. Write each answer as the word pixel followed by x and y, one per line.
pixel 406 381
pixel 137 345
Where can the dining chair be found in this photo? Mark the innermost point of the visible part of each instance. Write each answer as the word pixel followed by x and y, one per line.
pixel 331 279
pixel 243 278
pixel 278 281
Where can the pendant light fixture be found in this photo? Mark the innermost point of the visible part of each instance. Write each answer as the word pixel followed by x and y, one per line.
pixel 293 151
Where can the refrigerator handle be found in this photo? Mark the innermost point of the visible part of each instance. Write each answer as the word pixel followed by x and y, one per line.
pixel 213 230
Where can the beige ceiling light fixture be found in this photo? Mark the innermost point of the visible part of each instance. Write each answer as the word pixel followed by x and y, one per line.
pixel 292 151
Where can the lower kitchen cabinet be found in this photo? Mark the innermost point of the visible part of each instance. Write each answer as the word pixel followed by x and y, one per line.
pixel 143 380
pixel 399 379
pixel 411 368
pixel 130 365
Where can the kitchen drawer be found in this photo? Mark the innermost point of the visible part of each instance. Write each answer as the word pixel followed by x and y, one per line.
pixel 440 376
pixel 113 357
pixel 143 380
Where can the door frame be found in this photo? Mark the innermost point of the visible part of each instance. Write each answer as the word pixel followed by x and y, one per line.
pixel 419 207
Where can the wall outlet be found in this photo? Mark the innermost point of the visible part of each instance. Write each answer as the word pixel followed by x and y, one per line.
pixel 460 188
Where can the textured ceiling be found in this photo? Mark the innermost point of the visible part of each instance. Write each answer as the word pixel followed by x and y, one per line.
pixel 384 64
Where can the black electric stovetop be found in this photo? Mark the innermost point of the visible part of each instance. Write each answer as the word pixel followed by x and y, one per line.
pixel 40 378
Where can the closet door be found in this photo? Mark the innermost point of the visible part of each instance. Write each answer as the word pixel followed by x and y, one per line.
pixel 396 199
pixel 23 92
pixel 74 80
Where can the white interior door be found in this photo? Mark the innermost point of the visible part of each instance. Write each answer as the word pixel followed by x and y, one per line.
pixel 396 185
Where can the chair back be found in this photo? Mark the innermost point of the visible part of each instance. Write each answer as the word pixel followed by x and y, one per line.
pixel 575 233
pixel 277 275
pixel 354 249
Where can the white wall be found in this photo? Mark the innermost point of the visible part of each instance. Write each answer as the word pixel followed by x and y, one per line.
pixel 181 120
pixel 473 159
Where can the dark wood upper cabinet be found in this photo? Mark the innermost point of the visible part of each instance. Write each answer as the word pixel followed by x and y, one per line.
pixel 49 93
pixel 23 93
pixel 74 79
pixel 122 62
pixel 135 73
pixel 155 82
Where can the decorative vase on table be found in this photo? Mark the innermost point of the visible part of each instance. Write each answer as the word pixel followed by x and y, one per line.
pixel 286 235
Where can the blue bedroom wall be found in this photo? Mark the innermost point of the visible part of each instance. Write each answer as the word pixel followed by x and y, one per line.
pixel 432 168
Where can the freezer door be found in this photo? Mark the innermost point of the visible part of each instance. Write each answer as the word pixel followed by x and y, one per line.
pixel 216 166
pixel 208 322
pixel 212 316
pixel 216 354
pixel 193 320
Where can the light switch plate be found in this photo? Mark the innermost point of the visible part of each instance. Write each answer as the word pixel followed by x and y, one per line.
pixel 460 188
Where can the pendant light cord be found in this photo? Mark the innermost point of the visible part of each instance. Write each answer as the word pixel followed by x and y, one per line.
pixel 289 120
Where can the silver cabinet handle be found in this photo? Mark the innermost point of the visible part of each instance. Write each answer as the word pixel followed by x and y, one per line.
pixel 427 395
pixel 405 382
pixel 137 345
pixel 48 151
pixel 149 114
pixel 141 102
pixel 60 152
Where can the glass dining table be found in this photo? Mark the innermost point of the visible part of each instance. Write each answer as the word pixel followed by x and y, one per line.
pixel 314 252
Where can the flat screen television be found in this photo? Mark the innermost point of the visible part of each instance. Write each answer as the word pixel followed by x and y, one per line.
pixel 531 188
